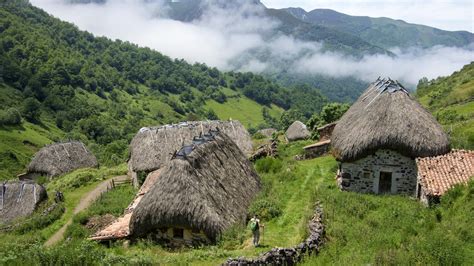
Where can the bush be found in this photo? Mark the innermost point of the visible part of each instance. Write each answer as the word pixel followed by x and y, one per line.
pixel 258 135
pixel 233 237
pixel 10 117
pixel 448 116
pixel 268 165
pixel 31 110
pixel 43 217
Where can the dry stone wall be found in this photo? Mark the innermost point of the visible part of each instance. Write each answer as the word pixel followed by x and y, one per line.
pixel 293 255
pixel 363 175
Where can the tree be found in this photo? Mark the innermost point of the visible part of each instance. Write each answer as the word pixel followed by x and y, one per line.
pixel 10 117
pixel 211 115
pixel 31 110
pixel 290 116
pixel 333 111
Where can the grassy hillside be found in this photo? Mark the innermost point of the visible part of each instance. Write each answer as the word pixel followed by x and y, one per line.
pixel 59 83
pixel 361 229
pixel 451 100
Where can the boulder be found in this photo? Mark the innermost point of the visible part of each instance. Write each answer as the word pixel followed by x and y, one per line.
pixel 297 131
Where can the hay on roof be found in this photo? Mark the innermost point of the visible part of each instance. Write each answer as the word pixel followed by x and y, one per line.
pixel 297 131
pixel 208 188
pixel 152 147
pixel 387 117
pixel 19 199
pixel 60 158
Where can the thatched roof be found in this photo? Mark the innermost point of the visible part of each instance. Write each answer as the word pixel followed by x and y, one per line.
pixel 19 199
pixel 208 187
pixel 152 147
pixel 60 158
pixel 387 117
pixel 297 131
pixel 267 132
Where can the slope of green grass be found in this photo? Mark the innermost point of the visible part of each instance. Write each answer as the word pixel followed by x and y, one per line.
pixel 19 143
pixel 451 100
pixel 248 112
pixel 361 229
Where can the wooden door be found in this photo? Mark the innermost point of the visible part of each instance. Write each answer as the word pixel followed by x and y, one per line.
pixel 385 182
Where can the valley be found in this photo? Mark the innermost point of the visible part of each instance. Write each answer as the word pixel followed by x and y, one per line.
pixel 110 127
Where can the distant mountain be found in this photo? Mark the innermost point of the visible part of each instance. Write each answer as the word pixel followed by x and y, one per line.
pixel 383 32
pixel 57 83
pixel 348 36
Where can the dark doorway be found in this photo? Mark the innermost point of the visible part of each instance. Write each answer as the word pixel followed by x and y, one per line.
pixel 385 182
pixel 178 233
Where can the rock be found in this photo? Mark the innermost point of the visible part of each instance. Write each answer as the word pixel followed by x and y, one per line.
pixel 297 131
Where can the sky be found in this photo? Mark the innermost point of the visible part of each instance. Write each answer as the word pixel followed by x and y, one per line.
pixel 444 14
pixel 223 37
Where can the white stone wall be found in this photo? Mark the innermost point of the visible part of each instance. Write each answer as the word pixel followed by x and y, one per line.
pixel 363 175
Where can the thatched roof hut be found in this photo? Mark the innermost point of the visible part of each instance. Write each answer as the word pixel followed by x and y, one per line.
pixel 387 117
pixel 207 187
pixel 19 199
pixel 297 131
pixel 152 147
pixel 60 158
pixel 267 132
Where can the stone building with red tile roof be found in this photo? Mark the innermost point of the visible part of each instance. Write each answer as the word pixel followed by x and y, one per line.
pixel 438 174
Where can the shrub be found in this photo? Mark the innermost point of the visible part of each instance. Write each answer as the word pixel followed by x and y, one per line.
pixel 43 217
pixel 31 110
pixel 233 237
pixel 266 209
pixel 10 117
pixel 258 135
pixel 268 165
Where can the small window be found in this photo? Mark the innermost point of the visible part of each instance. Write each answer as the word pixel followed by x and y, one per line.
pixel 346 175
pixel 367 175
pixel 178 233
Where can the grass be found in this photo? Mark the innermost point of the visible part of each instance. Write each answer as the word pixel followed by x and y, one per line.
pixel 450 99
pixel 113 202
pixel 248 112
pixel 20 143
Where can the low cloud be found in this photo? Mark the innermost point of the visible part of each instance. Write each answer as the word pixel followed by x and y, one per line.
pixel 230 39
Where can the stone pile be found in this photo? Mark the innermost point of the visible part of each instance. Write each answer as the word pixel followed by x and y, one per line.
pixel 293 255
pixel 266 150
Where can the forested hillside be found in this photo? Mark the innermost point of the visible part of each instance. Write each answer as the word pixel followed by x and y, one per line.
pixel 59 83
pixel 451 100
pixel 384 32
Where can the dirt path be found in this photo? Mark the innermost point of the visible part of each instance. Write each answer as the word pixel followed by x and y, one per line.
pixel 84 203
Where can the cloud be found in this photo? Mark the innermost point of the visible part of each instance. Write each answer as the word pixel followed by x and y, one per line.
pixel 244 39
pixel 408 66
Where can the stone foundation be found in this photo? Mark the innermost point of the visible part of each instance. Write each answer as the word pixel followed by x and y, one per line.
pixel 189 238
pixel 364 175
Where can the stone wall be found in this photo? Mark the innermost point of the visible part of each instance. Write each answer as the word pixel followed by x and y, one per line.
pixel 363 175
pixel 190 238
pixel 292 255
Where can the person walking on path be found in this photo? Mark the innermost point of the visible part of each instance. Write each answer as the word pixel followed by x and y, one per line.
pixel 255 227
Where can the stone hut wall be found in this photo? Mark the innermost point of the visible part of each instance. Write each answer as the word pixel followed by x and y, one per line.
pixel 363 175
pixel 325 132
pixel 189 238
